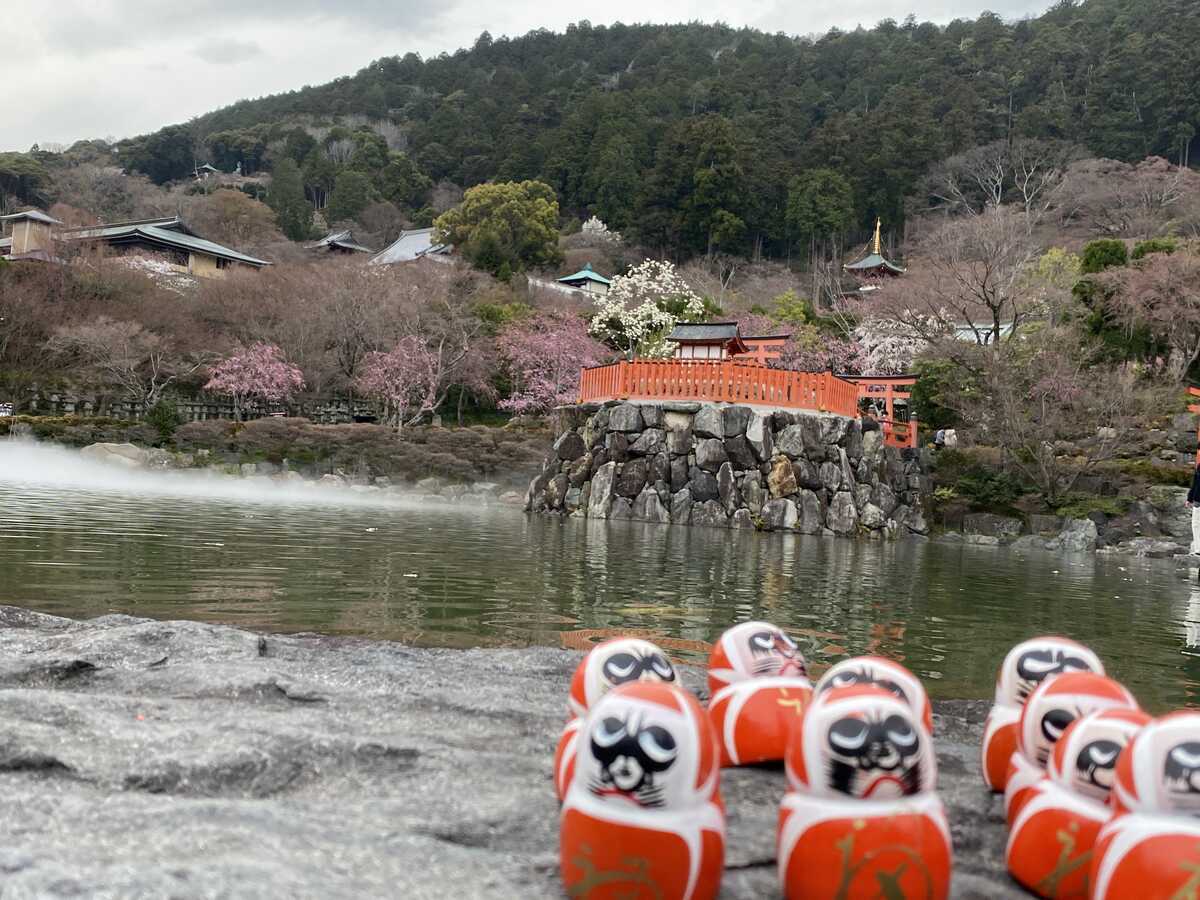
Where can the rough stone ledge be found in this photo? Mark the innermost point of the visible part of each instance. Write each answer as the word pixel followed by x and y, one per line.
pixel 144 758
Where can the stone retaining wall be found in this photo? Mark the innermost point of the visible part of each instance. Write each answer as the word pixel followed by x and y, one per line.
pixel 730 466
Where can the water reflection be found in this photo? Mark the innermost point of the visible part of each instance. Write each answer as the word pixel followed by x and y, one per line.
pixel 482 577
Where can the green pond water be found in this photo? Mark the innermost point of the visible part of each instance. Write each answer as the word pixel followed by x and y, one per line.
pixel 86 544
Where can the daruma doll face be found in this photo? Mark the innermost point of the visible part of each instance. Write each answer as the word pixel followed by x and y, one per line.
pixel 754 650
pixel 1085 759
pixel 615 662
pixel 1160 770
pixel 875 671
pixel 648 745
pixel 1055 705
pixel 862 742
pixel 1031 662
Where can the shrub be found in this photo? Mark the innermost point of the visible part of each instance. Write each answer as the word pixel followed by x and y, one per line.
pixel 1142 249
pixel 1105 253
pixel 164 418
pixel 212 434
pixel 1080 506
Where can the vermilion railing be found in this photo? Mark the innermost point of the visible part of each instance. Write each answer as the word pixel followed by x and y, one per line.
pixel 719 382
pixel 896 432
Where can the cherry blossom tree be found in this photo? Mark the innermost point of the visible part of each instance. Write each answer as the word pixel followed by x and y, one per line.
pixel 543 358
pixel 258 372
pixel 642 306
pixel 808 349
pixel 888 346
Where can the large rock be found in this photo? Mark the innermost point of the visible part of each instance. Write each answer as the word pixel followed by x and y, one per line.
pixel 735 419
pixel 1003 527
pixel 679 441
pixel 616 446
pixel 660 468
pixel 600 498
pixel 842 517
pixel 780 515
pixel 556 492
pixel 812 513
pixel 125 456
pixel 622 508
pixel 741 454
pixel 759 436
pixel 710 513
pixel 681 507
pixel 782 479
pixel 752 492
pixel 872 443
pixel 653 416
pixel 336 756
pixel 569 446
pixel 710 454
pixel 679 474
pixel 1079 536
pixel 807 475
pixel 703 485
pixel 872 517
pixel 727 489
pixel 834 429
pixel 631 478
pixel 648 443
pixel 790 442
pixel 831 476
pixel 626 417
pixel 709 422
pixel 649 508
pixel 884 497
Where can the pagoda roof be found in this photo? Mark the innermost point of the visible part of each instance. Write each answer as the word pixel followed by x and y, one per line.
pixel 873 261
pixel 585 274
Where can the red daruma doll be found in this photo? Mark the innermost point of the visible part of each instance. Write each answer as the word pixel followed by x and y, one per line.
pixel 1048 713
pixel 1050 845
pixel 640 817
pixel 1025 667
pixel 756 673
pixel 862 818
pixel 613 662
pixel 1151 847
pixel 883 674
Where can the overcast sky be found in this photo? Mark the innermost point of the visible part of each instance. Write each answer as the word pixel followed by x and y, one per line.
pixel 114 68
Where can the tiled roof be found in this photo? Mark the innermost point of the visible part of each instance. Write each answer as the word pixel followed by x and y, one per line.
pixel 704 331
pixel 409 246
pixel 341 239
pixel 873 261
pixel 35 214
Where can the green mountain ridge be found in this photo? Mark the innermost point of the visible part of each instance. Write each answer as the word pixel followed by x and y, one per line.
pixel 688 136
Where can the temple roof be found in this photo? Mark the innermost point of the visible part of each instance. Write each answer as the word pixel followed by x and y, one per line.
pixel 341 240
pixel 585 274
pixel 875 260
pixel 409 246
pixel 35 214
pixel 704 332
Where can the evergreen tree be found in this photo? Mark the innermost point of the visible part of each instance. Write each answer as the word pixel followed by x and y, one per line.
pixel 292 210
pixel 352 193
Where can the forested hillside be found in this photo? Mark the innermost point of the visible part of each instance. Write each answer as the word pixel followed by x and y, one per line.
pixel 684 135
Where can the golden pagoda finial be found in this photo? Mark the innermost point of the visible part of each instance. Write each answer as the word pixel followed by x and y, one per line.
pixel 878 229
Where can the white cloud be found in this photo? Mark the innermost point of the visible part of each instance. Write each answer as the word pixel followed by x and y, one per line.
pixel 95 68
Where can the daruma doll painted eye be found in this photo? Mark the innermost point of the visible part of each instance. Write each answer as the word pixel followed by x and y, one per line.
pixel 1052 839
pixel 641 815
pixel 862 742
pixel 883 674
pixel 1050 710
pixel 753 650
pixel 1151 848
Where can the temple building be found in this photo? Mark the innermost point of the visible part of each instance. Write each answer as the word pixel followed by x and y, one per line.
pixel 587 281
pixel 710 341
pixel 37 236
pixel 341 243
pixel 874 264
pixel 409 246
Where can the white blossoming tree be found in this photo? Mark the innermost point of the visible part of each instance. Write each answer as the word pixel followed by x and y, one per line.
pixel 642 306
pixel 889 345
pixel 598 233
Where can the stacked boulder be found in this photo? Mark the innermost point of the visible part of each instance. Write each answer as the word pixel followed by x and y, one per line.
pixel 726 466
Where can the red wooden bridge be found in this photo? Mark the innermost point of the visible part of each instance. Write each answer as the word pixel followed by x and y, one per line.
pixel 742 381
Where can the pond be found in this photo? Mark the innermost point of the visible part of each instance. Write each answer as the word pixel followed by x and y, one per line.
pixel 80 540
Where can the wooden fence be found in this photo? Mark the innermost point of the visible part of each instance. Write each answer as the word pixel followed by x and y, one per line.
pixel 719 382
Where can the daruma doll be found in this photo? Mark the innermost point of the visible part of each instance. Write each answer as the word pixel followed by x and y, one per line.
pixel 613 662
pixel 1050 844
pixel 760 692
pixel 641 816
pixel 1050 710
pixel 862 817
pixel 1151 847
pixel 1025 667
pixel 881 673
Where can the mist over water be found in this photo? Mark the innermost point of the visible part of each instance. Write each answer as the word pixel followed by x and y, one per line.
pixel 49 466
pixel 82 538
